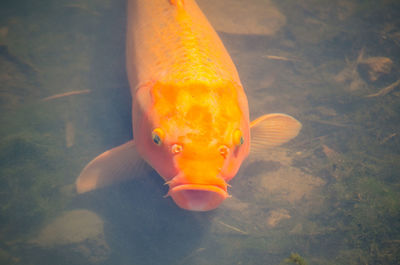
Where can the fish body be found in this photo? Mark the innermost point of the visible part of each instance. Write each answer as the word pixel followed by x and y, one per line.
pixel 190 113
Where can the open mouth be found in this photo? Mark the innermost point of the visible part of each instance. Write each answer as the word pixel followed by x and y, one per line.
pixel 198 197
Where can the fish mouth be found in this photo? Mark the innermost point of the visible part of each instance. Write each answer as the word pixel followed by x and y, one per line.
pixel 198 197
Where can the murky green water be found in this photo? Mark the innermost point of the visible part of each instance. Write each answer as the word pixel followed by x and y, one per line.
pixel 331 195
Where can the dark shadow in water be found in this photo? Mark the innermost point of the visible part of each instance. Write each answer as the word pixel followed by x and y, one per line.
pixel 141 226
pixel 111 101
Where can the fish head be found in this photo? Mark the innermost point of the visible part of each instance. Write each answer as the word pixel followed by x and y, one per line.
pixel 195 137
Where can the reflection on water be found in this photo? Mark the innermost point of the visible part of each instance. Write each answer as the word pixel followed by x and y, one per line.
pixel 331 195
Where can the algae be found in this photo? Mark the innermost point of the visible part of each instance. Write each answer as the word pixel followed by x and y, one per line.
pixel 295 258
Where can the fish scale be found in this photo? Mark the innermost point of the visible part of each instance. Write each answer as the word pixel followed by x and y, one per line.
pixel 174 43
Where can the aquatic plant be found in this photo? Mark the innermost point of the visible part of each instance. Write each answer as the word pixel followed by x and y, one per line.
pixel 295 258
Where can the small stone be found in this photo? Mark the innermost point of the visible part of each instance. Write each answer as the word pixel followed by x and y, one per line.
pixel 81 231
pixel 276 216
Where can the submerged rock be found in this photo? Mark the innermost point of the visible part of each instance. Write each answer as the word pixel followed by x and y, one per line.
pixel 80 231
pixel 289 184
pixel 269 188
pixel 283 182
pixel 258 17
pixel 276 216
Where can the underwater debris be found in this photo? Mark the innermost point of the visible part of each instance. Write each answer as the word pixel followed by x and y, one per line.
pixel 233 228
pixel 71 93
pixel 278 58
pixel 387 138
pixel 375 67
pixel 386 90
pixel 370 69
pixel 191 255
pixel 83 8
pixel 349 75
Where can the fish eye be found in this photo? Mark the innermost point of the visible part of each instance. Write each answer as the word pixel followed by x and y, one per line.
pixel 238 138
pixel 223 150
pixel 158 136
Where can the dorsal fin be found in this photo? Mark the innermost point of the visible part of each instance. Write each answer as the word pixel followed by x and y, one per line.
pixel 177 3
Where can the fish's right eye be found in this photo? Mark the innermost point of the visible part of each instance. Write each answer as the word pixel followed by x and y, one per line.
pixel 158 136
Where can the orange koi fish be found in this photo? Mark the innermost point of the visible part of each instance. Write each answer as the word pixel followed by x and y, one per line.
pixel 190 113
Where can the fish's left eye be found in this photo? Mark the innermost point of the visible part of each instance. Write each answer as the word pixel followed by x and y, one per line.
pixel 157 136
pixel 238 138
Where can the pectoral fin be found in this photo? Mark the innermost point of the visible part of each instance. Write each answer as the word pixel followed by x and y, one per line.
pixel 115 165
pixel 272 130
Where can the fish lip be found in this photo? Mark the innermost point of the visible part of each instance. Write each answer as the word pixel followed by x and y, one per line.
pixel 198 197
